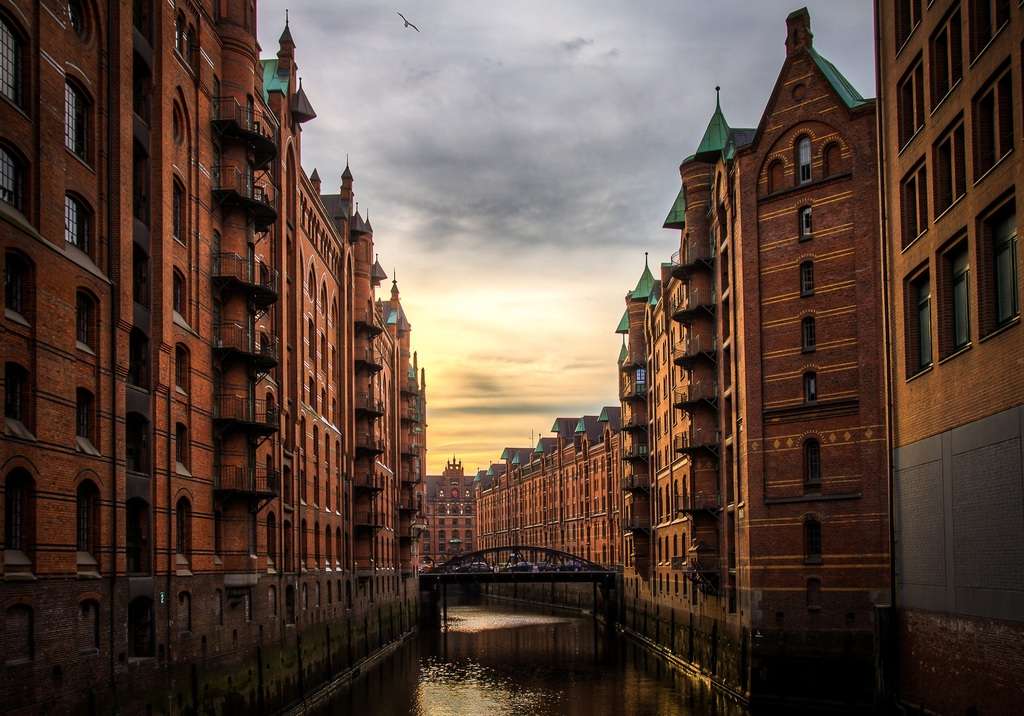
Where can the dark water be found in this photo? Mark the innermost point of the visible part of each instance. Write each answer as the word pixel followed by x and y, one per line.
pixel 497 659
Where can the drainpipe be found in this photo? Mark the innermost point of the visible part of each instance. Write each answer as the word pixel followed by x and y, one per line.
pixel 115 319
pixel 890 689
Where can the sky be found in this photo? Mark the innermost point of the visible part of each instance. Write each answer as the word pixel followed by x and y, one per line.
pixel 517 159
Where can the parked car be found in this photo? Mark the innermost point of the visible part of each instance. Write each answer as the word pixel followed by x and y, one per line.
pixel 521 567
pixel 478 567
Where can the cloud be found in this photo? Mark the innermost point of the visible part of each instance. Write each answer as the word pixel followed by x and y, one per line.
pixel 516 170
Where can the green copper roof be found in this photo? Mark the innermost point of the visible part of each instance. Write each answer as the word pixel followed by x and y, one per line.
pixel 515 460
pixel 623 352
pixel 840 84
pixel 539 450
pixel 554 426
pixel 623 323
pixel 504 453
pixel 676 218
pixel 645 285
pixel 716 135
pixel 652 299
pixel 272 81
pixel 581 427
pixel 603 417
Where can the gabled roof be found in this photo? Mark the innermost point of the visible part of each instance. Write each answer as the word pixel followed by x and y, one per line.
pixel 337 207
pixel 623 352
pixel 645 285
pixel 273 81
pixel 545 445
pixel 716 134
pixel 676 218
pixel 612 415
pixel 564 427
pixel 302 109
pixel 846 91
pixel 623 326
pixel 315 176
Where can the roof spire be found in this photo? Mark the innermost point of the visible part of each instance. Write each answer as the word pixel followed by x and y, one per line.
pixel 286 36
pixel 645 259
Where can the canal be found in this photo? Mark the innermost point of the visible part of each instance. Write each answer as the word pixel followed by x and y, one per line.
pixel 500 659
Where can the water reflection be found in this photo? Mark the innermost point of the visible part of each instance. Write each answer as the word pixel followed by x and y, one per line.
pixel 497 660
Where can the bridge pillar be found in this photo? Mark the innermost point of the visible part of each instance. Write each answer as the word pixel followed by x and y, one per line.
pixel 430 604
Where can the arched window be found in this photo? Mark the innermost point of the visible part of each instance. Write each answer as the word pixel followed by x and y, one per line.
pixel 140 627
pixel 76 121
pixel 312 394
pixel 183 528
pixel 178 212
pixel 17 283
pixel 289 552
pixel 808 334
pixel 78 225
pixel 812 462
pixel 303 537
pixel 810 387
pixel 316 543
pixel 271 537
pixel 85 416
pixel 140 276
pixel 182 447
pixel 327 546
pixel 19 516
pixel 89 626
pixel 776 176
pixel 11 62
pixel 803 160
pixel 87 522
pixel 19 634
pixel 311 341
pixel 289 604
pixel 85 319
pixel 179 297
pixel 812 539
pixel 339 554
pixel 323 298
pixel 805 228
pixel 138 358
pixel 18 395
pixel 807 278
pixel 136 443
pixel 137 536
pixel 180 34
pixel 12 179
pixel 832 159
pixel 311 285
pixel 272 599
pixel 77 18
pixel 182 371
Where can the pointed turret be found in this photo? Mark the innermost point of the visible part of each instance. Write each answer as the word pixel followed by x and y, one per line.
pixel 314 179
pixel 377 273
pixel 715 136
pixel 395 295
pixel 286 46
pixel 645 285
pixel 302 110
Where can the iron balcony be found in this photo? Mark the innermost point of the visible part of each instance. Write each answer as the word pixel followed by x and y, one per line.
pixel 259 482
pixel 695 346
pixel 687 304
pixel 238 187
pixel 366 321
pixel 251 125
pixel 368 482
pixel 253 414
pixel 410 448
pixel 255 277
pixel 695 393
pixel 410 386
pixel 678 564
pixel 369 360
pixel 696 502
pixel 411 414
pixel 409 503
pixel 693 256
pixel 636 523
pixel 634 422
pixel 368 443
pixel 366 403
pixel 236 339
pixel 636 483
pixel 633 390
pixel 694 440
pixel 368 519
pixel 637 451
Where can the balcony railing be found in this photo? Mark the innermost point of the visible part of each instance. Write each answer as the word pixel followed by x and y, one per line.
pixel 696 392
pixel 698 502
pixel 238 186
pixel 634 421
pixel 693 255
pixel 636 523
pixel 637 451
pixel 633 389
pixel 698 344
pixel 369 482
pixel 695 439
pixel 366 320
pixel 411 447
pixel 260 279
pixel 242 479
pixel 690 301
pixel 368 442
pixel 370 360
pixel 254 412
pixel 634 483
pixel 256 127
pixel 368 519
pixel 367 403
pixel 261 348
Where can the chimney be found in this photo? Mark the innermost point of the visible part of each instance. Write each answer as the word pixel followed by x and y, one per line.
pixel 798 32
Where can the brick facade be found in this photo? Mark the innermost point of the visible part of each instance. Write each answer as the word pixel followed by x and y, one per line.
pixel 449 515
pixel 199 376
pixel 950 78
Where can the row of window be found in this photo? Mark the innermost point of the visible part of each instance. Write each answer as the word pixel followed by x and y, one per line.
pixel 992 119
pixel 950 293
pixel 985 19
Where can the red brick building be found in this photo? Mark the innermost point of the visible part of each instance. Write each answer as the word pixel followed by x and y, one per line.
pixel 951 79
pixel 449 515
pixel 562 494
pixel 199 378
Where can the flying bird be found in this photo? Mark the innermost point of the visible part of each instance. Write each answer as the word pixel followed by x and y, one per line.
pixel 407 23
